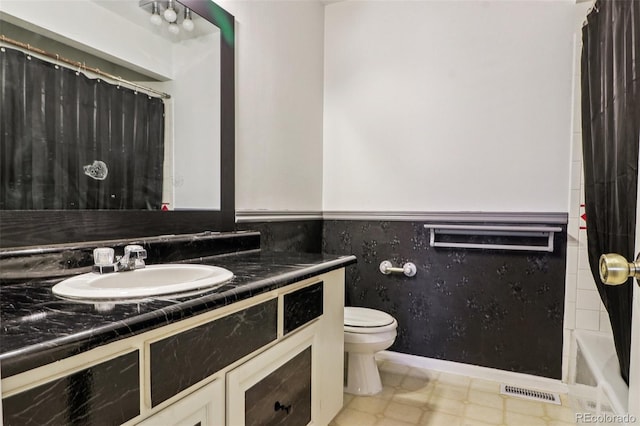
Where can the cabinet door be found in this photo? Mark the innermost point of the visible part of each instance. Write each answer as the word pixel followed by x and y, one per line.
pixel 276 387
pixel 204 407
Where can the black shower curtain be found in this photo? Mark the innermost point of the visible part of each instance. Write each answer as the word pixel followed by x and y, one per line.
pixel 611 136
pixel 70 142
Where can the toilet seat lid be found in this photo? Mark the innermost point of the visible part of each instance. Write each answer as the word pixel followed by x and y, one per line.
pixel 365 317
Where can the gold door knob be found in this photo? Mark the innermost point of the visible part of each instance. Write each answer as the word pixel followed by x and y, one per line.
pixel 616 270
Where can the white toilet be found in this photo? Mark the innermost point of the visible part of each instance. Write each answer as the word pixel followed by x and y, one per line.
pixel 366 331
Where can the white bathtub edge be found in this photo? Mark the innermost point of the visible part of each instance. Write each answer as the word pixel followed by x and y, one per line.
pixel 600 354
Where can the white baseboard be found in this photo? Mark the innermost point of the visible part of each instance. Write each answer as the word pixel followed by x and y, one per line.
pixel 474 371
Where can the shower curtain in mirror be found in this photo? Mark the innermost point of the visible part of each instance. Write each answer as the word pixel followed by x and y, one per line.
pixel 70 142
pixel 611 136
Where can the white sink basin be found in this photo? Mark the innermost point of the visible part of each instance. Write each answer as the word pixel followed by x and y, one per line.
pixel 153 280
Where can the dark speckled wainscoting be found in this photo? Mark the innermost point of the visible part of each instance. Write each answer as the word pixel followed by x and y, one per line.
pixel 303 236
pixel 498 309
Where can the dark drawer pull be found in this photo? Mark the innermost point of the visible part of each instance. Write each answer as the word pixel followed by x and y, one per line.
pixel 278 406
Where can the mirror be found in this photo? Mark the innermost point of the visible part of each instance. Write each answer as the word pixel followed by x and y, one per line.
pixel 200 139
pixel 94 152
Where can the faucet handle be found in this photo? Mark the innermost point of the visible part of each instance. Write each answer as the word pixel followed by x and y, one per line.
pixel 135 255
pixel 103 256
pixel 135 251
pixel 103 260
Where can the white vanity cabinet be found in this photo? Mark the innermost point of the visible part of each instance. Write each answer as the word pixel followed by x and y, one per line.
pixel 296 381
pixel 275 358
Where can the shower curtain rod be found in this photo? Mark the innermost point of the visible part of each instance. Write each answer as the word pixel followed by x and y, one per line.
pixel 81 66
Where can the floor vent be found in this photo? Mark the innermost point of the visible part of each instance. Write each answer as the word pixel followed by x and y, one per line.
pixel 535 395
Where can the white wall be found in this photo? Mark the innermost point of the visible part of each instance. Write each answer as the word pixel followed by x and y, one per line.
pixel 447 106
pixel 279 58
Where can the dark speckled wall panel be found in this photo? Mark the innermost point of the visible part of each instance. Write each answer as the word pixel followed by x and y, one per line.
pixel 184 359
pixel 498 309
pixel 303 236
pixel 105 394
pixel 302 306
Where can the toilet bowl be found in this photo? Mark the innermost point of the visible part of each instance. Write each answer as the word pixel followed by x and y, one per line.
pixel 366 331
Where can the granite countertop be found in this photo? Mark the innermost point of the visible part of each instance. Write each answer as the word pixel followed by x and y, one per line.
pixel 38 328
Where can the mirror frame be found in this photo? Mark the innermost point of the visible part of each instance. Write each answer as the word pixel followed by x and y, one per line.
pixel 21 228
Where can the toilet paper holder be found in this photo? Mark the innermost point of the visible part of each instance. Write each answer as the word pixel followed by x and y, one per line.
pixel 409 269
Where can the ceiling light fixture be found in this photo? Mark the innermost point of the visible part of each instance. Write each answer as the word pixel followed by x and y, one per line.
pixel 170 14
pixel 175 14
pixel 187 23
pixel 155 14
pixel 174 28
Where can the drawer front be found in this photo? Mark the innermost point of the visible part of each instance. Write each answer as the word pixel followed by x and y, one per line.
pixel 302 306
pixel 184 359
pixel 283 397
pixel 107 394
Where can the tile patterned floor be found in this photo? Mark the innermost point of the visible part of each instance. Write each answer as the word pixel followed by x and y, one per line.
pixel 413 396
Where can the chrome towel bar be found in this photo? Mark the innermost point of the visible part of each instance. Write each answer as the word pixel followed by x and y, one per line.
pixel 493 230
pixel 409 269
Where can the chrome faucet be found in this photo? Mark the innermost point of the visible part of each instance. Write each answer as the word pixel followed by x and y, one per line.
pixel 132 259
